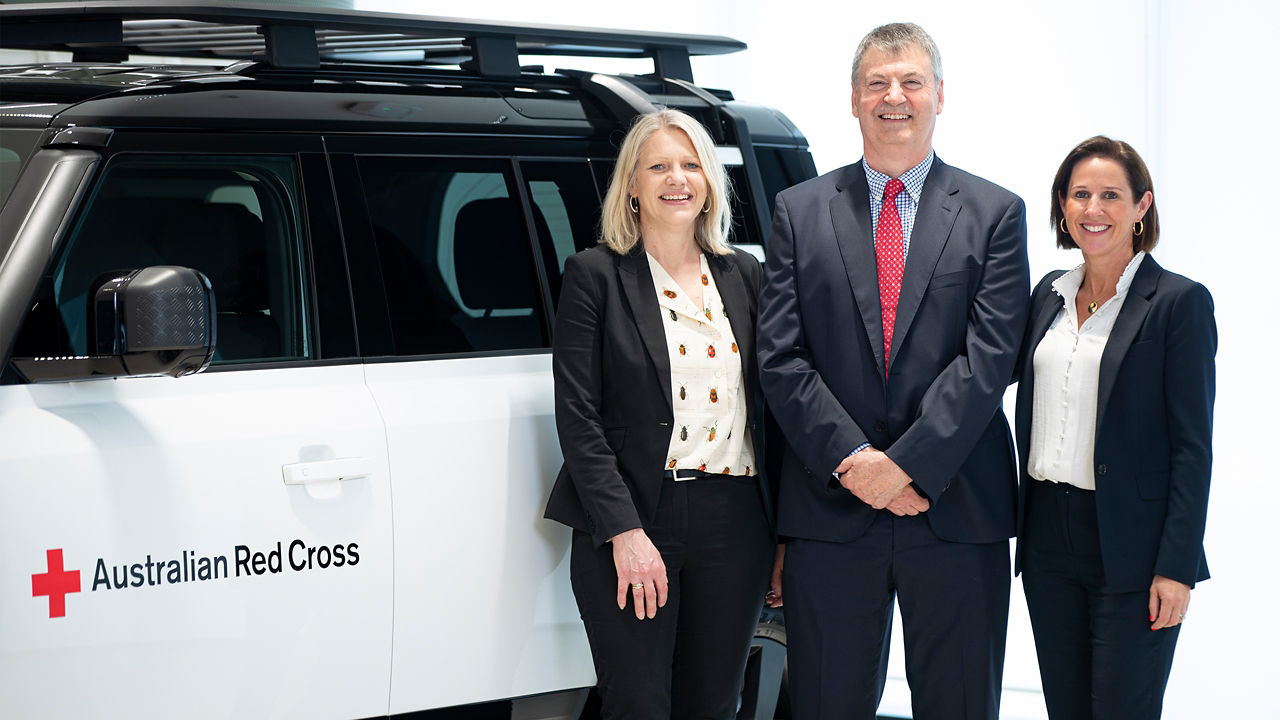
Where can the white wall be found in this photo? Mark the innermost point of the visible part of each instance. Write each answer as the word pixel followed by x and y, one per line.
pixel 1191 86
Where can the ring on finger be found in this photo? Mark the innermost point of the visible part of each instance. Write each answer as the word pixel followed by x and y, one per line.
pixel 637 586
pixel 1182 616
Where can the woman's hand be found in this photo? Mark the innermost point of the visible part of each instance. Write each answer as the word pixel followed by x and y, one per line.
pixel 773 598
pixel 1168 602
pixel 641 572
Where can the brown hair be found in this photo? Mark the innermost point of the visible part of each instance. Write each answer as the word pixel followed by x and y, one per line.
pixel 1135 171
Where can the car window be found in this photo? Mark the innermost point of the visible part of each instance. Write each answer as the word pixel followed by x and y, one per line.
pixel 564 194
pixel 780 168
pixel 235 219
pixel 453 246
pixel 15 145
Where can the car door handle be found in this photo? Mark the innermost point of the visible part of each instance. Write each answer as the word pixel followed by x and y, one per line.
pixel 325 470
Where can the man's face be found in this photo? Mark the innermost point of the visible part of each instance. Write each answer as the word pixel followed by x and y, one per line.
pixel 897 101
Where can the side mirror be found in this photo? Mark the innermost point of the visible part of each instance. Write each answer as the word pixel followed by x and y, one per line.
pixel 159 320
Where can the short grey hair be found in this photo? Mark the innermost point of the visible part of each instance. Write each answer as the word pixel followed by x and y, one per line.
pixel 894 39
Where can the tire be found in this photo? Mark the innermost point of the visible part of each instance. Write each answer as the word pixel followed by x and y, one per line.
pixel 764 690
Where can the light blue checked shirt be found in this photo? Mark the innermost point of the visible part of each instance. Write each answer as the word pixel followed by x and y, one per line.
pixel 907 201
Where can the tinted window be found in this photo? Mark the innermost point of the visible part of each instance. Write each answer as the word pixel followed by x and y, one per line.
pixel 566 204
pixel 453 246
pixel 745 227
pixel 15 145
pixel 235 219
pixel 782 168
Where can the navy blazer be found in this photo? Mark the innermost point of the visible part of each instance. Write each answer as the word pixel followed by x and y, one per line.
pixel 613 386
pixel 960 319
pixel 1152 445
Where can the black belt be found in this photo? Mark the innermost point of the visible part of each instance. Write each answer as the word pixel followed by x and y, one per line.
pixel 1049 486
pixel 685 474
pixel 679 475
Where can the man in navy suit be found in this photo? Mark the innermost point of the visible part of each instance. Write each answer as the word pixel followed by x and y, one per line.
pixel 894 302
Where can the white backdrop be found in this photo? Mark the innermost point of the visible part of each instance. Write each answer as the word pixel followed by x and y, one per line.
pixel 1192 86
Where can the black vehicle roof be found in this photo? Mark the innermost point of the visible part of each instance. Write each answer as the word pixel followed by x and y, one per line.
pixel 322 69
pixel 303 37
pixel 260 67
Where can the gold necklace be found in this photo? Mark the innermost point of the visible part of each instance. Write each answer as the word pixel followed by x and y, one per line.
pixel 1093 307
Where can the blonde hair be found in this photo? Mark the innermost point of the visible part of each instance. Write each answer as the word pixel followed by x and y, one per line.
pixel 620 227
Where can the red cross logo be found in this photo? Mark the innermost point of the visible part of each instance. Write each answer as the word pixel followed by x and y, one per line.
pixel 56 584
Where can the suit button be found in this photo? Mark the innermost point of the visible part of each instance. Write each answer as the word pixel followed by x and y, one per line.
pixel 880 427
pixel 1102 469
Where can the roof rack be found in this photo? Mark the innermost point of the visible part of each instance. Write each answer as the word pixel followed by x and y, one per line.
pixel 301 38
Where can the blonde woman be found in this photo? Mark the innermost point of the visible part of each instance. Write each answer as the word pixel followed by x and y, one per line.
pixel 660 422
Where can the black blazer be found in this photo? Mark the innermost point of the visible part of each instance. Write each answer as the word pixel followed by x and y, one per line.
pixel 960 319
pixel 1152 445
pixel 613 386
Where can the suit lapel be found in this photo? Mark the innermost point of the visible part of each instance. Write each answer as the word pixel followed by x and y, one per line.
pixel 1047 305
pixel 637 285
pixel 1044 315
pixel 935 216
pixel 1132 314
pixel 851 218
pixel 738 304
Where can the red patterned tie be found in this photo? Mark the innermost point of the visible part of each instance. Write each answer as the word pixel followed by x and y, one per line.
pixel 889 262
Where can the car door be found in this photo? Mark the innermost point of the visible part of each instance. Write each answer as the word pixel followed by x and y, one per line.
pixel 217 545
pixel 461 371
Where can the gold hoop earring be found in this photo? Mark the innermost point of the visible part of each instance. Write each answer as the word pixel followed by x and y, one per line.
pixel 634 204
pixel 1063 226
pixel 1138 229
pixel 706 208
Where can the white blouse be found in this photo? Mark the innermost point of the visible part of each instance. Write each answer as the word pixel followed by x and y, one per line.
pixel 707 395
pixel 1064 412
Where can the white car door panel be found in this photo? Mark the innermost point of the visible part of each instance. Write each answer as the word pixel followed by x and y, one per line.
pixel 483 604
pixel 206 585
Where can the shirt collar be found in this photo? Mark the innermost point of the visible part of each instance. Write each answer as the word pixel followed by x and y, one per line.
pixel 1068 284
pixel 681 303
pixel 912 180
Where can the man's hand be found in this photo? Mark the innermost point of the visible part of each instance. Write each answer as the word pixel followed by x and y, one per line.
pixel 875 479
pixel 908 502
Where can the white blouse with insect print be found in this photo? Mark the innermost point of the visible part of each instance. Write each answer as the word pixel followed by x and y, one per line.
pixel 710 431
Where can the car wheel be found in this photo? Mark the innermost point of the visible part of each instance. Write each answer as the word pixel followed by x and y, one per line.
pixel 764 689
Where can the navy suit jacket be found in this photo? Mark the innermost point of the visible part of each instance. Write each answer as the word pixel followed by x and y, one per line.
pixel 613 386
pixel 1152 444
pixel 960 319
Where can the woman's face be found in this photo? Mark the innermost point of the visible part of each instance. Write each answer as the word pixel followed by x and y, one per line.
pixel 669 184
pixel 1100 210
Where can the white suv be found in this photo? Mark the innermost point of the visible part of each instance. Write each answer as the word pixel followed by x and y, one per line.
pixel 357 223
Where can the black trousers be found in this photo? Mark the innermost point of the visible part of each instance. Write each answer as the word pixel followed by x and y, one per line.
pixel 839 604
pixel 1099 658
pixel 688 661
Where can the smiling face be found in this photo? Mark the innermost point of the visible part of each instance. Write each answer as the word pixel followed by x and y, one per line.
pixel 1099 209
pixel 669 184
pixel 897 102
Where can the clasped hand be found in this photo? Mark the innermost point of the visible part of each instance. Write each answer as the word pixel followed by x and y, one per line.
pixel 875 479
